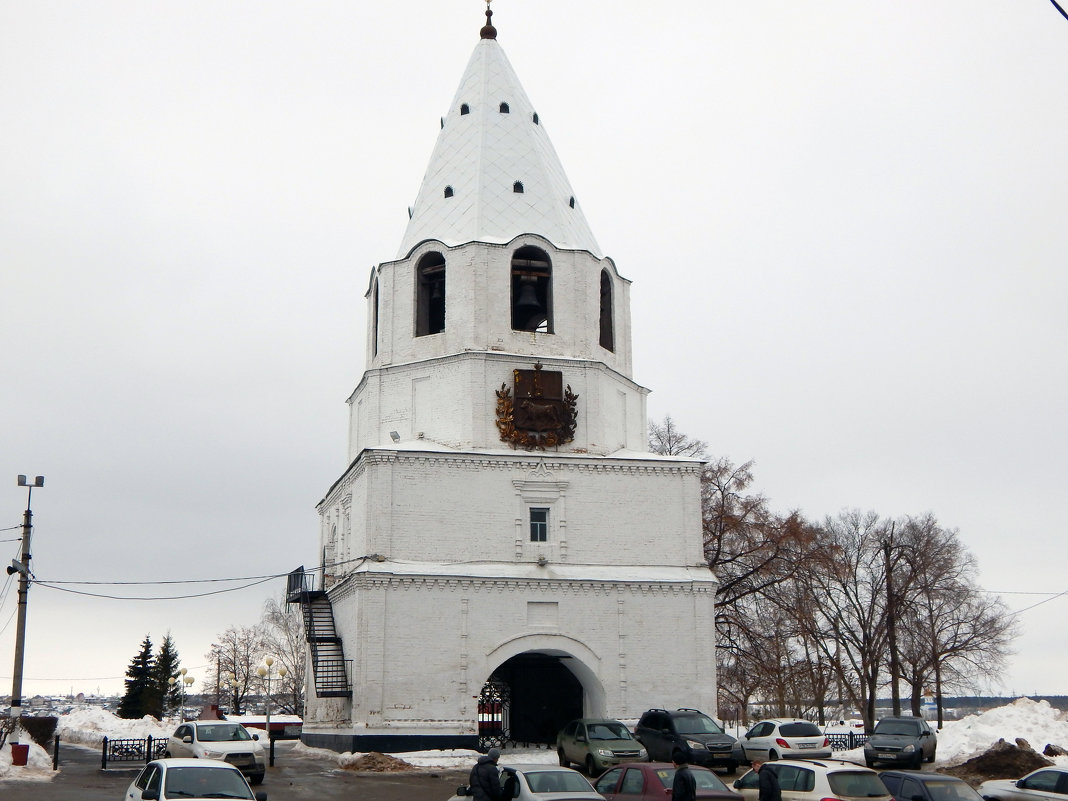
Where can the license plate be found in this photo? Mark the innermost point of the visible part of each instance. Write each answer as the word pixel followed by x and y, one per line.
pixel 807 745
pixel 887 754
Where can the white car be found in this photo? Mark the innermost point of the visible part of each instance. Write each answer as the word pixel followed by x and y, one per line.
pixel 170 779
pixel 1038 785
pixel 818 780
pixel 540 783
pixel 218 739
pixel 785 738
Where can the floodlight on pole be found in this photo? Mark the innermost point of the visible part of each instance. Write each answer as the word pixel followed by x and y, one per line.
pixel 22 567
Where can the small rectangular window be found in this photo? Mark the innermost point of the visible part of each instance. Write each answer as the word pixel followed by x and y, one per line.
pixel 539 525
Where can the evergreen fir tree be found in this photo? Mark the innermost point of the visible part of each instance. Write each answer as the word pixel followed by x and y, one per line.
pixel 138 683
pixel 167 697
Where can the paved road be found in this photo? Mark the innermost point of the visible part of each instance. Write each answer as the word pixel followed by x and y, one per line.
pixel 294 777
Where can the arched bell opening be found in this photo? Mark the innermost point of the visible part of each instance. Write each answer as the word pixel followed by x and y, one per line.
pixel 532 290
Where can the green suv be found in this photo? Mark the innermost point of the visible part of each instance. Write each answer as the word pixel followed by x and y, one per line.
pixel 597 744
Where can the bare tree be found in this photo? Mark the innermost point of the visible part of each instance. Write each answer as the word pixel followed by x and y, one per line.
pixel 850 585
pixel 955 632
pixel 234 658
pixel 667 440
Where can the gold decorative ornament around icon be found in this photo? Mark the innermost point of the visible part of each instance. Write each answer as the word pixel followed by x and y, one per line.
pixel 538 411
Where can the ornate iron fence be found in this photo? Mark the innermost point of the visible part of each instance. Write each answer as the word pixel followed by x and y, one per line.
pixel 494 708
pixel 847 741
pixel 127 749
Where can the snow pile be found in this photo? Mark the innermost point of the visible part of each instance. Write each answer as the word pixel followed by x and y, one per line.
pixel 1035 721
pixel 90 725
pixel 38 764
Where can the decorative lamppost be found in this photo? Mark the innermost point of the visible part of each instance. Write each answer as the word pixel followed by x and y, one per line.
pixel 230 680
pixel 265 673
pixel 187 681
pixel 183 683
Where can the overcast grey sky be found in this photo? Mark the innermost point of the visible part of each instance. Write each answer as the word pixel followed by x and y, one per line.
pixel 844 220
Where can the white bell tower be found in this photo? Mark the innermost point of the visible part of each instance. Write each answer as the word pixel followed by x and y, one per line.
pixel 502 553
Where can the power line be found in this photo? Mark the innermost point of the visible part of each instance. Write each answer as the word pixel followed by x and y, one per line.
pixel 154 597
pixel 1032 606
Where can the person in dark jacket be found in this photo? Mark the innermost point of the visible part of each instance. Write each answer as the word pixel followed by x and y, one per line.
pixel 768 783
pixel 484 781
pixel 684 786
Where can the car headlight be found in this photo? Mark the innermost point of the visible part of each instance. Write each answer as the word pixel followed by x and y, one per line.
pixel 908 749
pixel 604 752
pixel 642 754
pixel 698 746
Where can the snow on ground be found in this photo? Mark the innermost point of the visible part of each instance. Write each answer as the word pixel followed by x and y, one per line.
pixel 1035 721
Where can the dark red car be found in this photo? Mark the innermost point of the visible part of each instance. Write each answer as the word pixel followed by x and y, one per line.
pixel 651 781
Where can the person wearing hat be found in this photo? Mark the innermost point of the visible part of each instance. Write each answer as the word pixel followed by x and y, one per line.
pixel 484 781
pixel 684 785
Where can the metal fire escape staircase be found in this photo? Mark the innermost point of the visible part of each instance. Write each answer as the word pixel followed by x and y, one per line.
pixel 329 666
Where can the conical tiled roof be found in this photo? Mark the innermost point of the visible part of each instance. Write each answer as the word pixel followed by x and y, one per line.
pixel 491 143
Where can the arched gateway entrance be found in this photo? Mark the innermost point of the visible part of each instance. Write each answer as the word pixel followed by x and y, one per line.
pixel 530 696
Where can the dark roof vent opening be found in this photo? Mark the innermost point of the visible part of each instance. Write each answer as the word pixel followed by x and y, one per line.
pixel 465 109
pixel 448 191
pixel 517 187
pixel 571 202
pixel 536 118
pixel 504 108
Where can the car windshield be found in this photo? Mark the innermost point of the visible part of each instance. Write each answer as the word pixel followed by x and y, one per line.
pixel 951 791
pixel 608 731
pixel 897 727
pixel 225 732
pixel 197 782
pixel 558 781
pixel 857 784
pixel 799 730
pixel 696 724
pixel 706 779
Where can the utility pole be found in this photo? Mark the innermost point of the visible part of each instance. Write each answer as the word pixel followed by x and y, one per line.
pixel 22 567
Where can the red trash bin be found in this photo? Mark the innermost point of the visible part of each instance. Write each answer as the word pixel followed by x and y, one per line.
pixel 20 753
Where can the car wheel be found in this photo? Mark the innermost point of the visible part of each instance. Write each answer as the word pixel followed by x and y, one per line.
pixel 732 767
pixel 773 755
pixel 564 761
pixel 869 762
pixel 591 769
pixel 255 778
pixel 167 754
pixel 931 758
pixel 918 762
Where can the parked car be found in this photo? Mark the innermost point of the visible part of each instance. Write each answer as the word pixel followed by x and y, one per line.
pixel 218 739
pixel 910 785
pixel 540 783
pixel 597 744
pixel 665 734
pixel 651 781
pixel 902 741
pixel 817 780
pixel 169 779
pixel 1044 783
pixel 785 738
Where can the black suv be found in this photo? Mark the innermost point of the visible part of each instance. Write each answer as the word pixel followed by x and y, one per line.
pixel 666 734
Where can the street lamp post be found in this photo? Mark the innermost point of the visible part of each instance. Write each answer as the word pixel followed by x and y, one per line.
pixel 187 686
pixel 230 680
pixel 265 673
pixel 183 682
pixel 22 567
